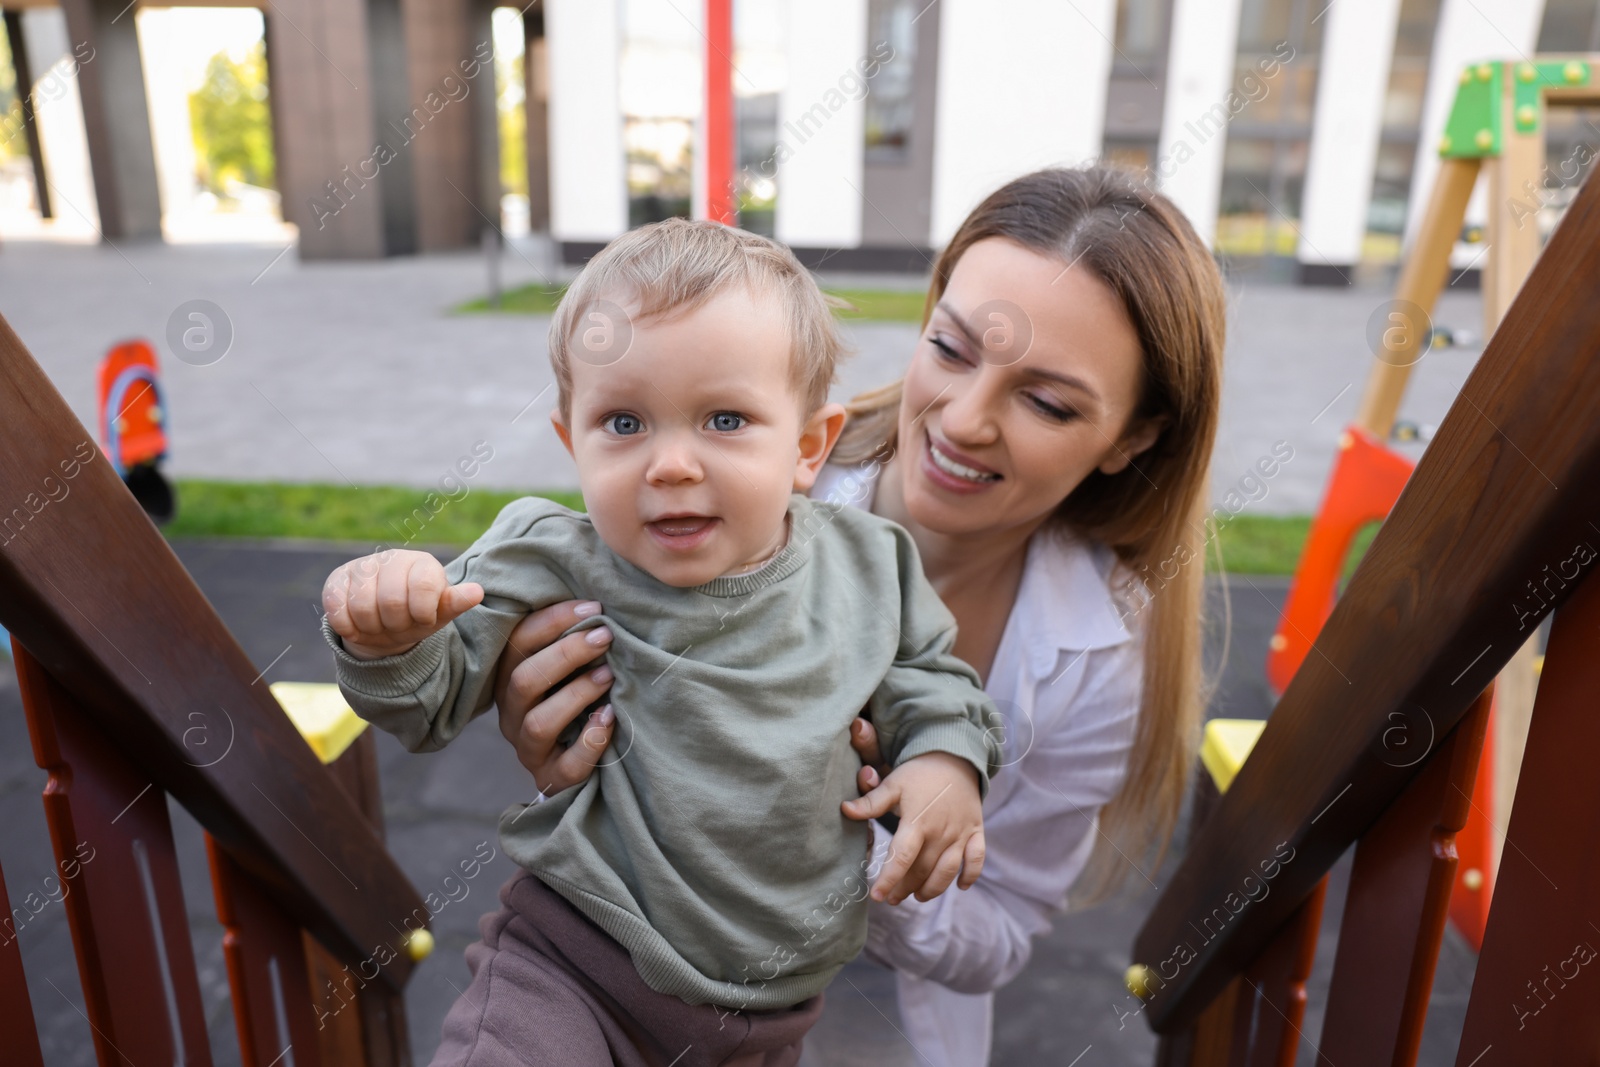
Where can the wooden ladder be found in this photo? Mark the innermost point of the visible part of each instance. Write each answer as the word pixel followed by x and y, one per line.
pixel 134 691
pixel 1376 739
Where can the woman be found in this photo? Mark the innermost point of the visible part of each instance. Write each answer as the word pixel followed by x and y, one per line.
pixel 1048 451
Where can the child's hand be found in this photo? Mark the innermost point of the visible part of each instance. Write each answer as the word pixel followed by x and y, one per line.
pixel 385 604
pixel 941 826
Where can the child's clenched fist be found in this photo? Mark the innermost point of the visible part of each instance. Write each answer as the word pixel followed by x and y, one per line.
pixel 383 605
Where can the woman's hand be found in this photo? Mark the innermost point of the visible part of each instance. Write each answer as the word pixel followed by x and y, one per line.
pixel 534 711
pixel 864 739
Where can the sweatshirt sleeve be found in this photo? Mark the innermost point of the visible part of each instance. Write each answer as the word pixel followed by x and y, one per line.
pixel 930 701
pixel 427 695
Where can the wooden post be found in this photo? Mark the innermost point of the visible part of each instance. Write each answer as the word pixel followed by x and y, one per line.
pixel 113 843
pixel 1421 278
pixel 1536 994
pixel 1394 914
pixel 16 1010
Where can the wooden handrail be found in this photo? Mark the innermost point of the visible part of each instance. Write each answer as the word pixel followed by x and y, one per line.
pixel 94 593
pixel 1479 548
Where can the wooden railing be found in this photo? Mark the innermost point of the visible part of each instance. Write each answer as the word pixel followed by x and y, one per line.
pixel 1376 741
pixel 134 690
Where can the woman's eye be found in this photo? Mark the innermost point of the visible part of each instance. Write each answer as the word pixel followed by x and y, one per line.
pixel 624 425
pixel 945 350
pixel 1051 411
pixel 725 422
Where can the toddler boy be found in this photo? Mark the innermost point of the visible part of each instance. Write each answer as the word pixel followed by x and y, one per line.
pixel 750 626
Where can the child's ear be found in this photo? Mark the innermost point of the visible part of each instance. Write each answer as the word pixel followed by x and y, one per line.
pixel 563 431
pixel 817 438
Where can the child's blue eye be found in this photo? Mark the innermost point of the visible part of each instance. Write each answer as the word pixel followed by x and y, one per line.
pixel 726 421
pixel 624 425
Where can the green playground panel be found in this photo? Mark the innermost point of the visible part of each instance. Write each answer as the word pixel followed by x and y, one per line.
pixel 1473 130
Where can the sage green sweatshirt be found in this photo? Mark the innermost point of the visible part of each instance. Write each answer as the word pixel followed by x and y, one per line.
pixel 709 842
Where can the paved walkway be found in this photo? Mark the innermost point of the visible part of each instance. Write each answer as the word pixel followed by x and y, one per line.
pixel 439 807
pixel 358 372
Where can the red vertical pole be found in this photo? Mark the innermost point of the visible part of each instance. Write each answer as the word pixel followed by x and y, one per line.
pixel 720 204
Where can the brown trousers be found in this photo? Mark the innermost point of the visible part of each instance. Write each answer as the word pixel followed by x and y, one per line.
pixel 551 989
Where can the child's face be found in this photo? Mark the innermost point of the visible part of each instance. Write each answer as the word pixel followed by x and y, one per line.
pixel 689 446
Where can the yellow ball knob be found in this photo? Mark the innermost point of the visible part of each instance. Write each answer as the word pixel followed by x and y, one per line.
pixel 1472 878
pixel 1278 642
pixel 1466 75
pixel 1444 143
pixel 1525 72
pixel 1485 72
pixel 1574 71
pixel 419 945
pixel 1484 139
pixel 1137 979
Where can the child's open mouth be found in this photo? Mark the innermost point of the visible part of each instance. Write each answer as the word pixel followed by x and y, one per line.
pixel 682 532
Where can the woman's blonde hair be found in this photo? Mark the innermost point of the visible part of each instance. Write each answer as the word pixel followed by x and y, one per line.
pixel 1142 248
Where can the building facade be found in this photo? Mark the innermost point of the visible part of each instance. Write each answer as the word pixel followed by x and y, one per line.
pixel 1295 132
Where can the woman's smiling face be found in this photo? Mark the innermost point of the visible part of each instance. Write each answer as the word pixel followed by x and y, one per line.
pixel 1025 380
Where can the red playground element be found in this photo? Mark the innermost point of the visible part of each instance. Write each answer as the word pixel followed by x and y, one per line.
pixel 133 415
pixel 1475 869
pixel 720 203
pixel 1367 480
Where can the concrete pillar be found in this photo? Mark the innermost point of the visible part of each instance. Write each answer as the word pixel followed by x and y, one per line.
pixel 457 171
pixel 115 118
pixel 588 194
pixel 23 68
pixel 1204 42
pixel 536 76
pixel 1468 31
pixel 821 125
pixel 1357 47
pixel 1022 85
pixel 346 129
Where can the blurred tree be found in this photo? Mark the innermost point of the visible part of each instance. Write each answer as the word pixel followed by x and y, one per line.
pixel 513 119
pixel 232 123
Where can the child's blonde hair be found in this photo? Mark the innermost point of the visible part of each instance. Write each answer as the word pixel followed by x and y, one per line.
pixel 673 267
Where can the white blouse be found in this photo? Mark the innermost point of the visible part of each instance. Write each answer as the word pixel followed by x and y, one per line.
pixel 1067 679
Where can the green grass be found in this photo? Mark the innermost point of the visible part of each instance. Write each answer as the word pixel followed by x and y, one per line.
pixel 372 515
pixel 882 305
pixel 869 305
pixel 1270 544
pixel 531 299
pixel 1251 544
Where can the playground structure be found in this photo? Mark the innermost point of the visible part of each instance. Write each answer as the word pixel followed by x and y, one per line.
pixel 1496 126
pixel 134 690
pixel 1378 738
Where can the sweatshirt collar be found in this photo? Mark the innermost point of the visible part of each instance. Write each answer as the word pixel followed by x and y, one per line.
pixel 790 558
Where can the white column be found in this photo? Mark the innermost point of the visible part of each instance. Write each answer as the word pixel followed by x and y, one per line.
pixel 588 191
pixel 1022 85
pixel 1357 48
pixel 59 112
pixel 1194 134
pixel 1468 31
pixel 822 125
pixel 170 128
